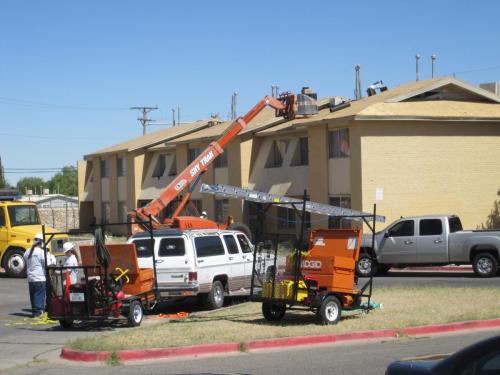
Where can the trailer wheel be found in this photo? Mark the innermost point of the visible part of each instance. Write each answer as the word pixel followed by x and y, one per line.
pixel 330 310
pixel 485 265
pixel 135 313
pixel 273 311
pixel 215 298
pixel 66 323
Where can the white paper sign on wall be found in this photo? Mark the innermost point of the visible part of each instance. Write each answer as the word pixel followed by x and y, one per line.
pixel 379 194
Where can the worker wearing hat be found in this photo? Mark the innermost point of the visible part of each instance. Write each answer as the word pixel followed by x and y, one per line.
pixel 35 269
pixel 71 261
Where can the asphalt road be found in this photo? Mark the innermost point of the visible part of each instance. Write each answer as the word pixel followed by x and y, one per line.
pixel 352 359
pixel 433 279
pixel 22 342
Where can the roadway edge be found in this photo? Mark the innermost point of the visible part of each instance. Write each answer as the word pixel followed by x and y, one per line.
pixel 204 349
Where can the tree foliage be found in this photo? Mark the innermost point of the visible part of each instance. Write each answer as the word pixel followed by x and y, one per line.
pixel 31 183
pixel 64 182
pixel 493 221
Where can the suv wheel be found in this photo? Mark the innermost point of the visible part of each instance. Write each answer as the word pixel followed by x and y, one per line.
pixel 14 263
pixel 215 299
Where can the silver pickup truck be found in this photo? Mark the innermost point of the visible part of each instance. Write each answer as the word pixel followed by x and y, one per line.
pixel 430 241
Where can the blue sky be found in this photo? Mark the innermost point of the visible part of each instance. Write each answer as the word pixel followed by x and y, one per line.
pixel 70 70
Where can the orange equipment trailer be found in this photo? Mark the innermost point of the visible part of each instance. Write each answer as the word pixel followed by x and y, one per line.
pixel 318 274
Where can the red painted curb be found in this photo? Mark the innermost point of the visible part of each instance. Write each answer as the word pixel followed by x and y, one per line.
pixel 443 268
pixel 83 356
pixel 450 327
pixel 195 350
pixel 146 354
pixel 319 339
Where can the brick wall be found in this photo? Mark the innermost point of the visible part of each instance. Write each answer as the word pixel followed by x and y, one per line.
pixel 60 218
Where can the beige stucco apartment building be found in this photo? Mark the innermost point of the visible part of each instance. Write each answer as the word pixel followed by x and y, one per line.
pixel 423 147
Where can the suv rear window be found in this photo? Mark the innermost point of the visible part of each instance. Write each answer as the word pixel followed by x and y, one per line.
pixel 143 248
pixel 208 246
pixel 171 247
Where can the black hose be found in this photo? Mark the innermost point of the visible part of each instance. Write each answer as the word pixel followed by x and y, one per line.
pixel 102 253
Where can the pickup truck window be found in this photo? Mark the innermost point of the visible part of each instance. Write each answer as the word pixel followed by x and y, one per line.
pixel 431 227
pixel 143 248
pixel 455 224
pixel 231 245
pixel 402 229
pixel 2 217
pixel 208 246
pixel 23 215
pixel 171 247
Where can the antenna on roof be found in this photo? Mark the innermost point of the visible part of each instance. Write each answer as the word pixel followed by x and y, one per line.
pixel 357 90
pixel 144 120
pixel 233 105
pixel 433 58
pixel 417 61
pixel 274 90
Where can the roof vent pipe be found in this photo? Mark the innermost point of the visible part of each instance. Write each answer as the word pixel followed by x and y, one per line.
pixel 357 90
pixel 417 68
pixel 433 59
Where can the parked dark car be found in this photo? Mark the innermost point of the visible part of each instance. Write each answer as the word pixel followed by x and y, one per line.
pixel 482 358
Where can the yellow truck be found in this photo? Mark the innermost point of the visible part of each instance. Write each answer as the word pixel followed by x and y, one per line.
pixel 19 222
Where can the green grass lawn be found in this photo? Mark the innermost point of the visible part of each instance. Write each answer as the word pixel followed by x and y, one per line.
pixel 401 308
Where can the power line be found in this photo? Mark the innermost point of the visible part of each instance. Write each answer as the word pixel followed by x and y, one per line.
pixel 51 137
pixel 7 100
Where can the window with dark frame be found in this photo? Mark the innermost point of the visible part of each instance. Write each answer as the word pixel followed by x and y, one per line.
pixel 121 167
pixel 339 222
pixel 286 218
pixel 431 227
pixel 277 153
pixel 338 144
pixel 104 168
pixel 221 160
pixel 173 167
pixel 301 155
pixel 159 166
pixel 193 153
pixel 208 246
pixel 221 210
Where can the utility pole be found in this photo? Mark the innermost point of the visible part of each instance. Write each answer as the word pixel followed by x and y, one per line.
pixel 144 120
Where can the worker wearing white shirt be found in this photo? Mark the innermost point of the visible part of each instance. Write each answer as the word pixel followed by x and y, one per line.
pixel 35 269
pixel 71 261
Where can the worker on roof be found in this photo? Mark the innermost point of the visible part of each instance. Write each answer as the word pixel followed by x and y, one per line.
pixel 35 269
pixel 71 261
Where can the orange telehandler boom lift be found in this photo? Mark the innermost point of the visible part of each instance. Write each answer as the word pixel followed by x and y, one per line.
pixel 284 106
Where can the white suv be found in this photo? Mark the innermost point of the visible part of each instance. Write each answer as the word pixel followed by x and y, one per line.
pixel 204 262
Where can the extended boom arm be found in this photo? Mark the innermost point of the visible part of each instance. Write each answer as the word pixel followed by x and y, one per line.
pixel 201 163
